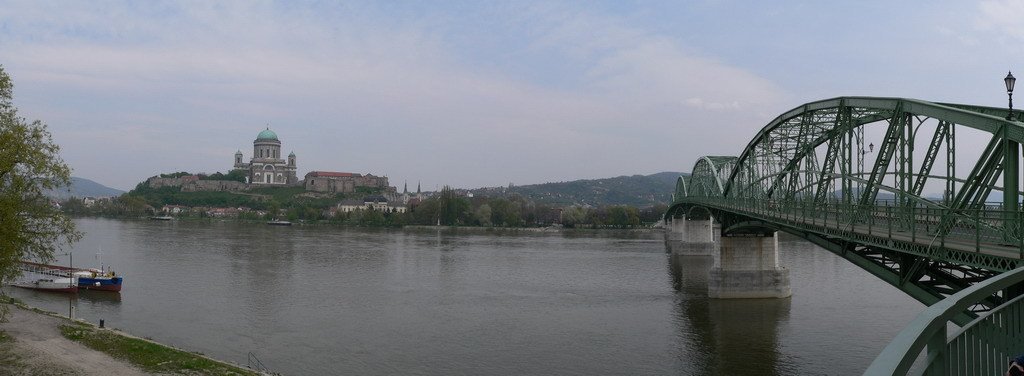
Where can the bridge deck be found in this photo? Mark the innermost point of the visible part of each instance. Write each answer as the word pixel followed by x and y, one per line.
pixel 881 227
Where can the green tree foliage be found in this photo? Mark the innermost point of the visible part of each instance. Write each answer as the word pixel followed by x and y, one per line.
pixel 482 214
pixel 273 210
pixel 623 216
pixel 425 213
pixel 505 213
pixel 30 225
pixel 158 197
pixel 452 209
pixel 636 190
pixel 573 216
pixel 233 175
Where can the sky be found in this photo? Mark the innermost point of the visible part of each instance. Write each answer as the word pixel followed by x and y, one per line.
pixel 474 93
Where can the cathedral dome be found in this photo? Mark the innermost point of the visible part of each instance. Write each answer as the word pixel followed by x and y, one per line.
pixel 267 134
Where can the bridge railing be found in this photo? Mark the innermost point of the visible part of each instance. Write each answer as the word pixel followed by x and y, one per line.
pixel 983 347
pixel 965 229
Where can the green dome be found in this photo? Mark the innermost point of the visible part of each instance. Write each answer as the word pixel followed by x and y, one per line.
pixel 267 135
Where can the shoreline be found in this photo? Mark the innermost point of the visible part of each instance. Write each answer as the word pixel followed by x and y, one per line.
pixel 530 229
pixel 35 341
pixel 327 223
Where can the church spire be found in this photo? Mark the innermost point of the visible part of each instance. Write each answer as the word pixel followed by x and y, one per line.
pixel 406 189
pixel 417 187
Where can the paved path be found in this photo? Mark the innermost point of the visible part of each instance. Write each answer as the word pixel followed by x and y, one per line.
pixel 40 349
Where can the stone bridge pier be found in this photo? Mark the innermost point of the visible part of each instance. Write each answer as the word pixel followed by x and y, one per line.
pixel 747 266
pixel 692 237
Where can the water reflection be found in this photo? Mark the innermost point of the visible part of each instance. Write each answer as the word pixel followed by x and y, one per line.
pixel 313 300
pixel 690 274
pixel 726 336
pixel 100 297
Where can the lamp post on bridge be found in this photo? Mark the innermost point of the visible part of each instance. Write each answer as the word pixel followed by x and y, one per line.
pixel 1009 81
pixel 1011 173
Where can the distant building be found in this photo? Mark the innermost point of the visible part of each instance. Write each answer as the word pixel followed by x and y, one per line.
pixel 222 212
pixel 267 168
pixel 378 203
pixel 350 205
pixel 174 209
pixel 158 182
pixel 342 182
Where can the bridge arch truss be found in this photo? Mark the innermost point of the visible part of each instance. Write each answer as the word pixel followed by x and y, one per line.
pixel 883 183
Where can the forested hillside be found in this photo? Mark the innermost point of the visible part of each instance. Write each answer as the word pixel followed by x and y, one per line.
pixel 636 190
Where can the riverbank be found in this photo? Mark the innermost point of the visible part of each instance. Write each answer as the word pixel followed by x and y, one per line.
pixel 36 342
pixel 531 229
pixel 339 224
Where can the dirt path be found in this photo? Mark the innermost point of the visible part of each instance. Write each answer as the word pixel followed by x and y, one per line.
pixel 38 348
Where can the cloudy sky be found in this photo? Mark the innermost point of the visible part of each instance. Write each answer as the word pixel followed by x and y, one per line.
pixel 474 93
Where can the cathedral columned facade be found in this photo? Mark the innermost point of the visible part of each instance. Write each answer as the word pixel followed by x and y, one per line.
pixel 266 166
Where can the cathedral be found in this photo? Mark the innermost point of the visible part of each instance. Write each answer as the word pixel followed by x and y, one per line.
pixel 266 166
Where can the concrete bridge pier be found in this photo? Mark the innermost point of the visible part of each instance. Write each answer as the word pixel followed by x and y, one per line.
pixel 747 266
pixel 693 237
pixel 674 230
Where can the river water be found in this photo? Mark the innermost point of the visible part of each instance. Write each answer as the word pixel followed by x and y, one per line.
pixel 311 300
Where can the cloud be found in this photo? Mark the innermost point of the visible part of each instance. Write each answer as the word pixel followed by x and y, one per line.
pixel 1003 17
pixel 358 88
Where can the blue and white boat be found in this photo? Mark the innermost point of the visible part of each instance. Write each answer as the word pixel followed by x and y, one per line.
pixel 95 279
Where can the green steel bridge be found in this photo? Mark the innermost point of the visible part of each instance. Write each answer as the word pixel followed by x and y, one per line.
pixel 925 196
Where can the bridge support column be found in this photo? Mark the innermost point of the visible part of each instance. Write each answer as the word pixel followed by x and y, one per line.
pixel 675 230
pixel 696 237
pixel 747 266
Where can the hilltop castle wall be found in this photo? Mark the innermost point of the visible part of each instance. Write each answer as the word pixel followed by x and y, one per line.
pixel 214 185
pixel 158 182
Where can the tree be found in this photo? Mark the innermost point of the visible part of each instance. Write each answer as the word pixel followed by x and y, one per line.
pixel 573 216
pixel 504 213
pixel 426 212
pixel 31 226
pixel 273 210
pixel 623 216
pixel 483 215
pixel 452 209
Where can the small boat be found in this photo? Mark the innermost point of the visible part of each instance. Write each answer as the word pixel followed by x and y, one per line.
pixel 51 284
pixel 161 218
pixel 279 223
pixel 95 279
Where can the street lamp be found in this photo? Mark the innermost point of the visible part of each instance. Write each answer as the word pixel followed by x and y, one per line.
pixel 71 278
pixel 1009 80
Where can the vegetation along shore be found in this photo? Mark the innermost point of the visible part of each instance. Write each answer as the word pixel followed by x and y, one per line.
pixel 559 204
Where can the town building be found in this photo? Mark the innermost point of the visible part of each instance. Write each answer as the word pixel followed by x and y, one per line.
pixel 266 167
pixel 174 209
pixel 378 203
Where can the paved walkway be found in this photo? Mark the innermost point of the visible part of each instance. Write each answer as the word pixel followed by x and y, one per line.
pixel 39 349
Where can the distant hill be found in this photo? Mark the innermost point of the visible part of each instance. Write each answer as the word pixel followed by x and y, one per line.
pixel 82 187
pixel 636 190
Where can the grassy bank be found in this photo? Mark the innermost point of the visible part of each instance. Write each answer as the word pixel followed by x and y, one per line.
pixel 142 353
pixel 147 355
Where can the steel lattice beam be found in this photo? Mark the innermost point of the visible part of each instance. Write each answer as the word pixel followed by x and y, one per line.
pixel 928 246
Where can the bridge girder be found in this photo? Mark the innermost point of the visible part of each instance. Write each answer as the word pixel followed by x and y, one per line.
pixel 804 173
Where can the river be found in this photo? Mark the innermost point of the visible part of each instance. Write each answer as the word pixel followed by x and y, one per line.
pixel 318 300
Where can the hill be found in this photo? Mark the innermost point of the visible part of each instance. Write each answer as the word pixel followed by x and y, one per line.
pixel 636 190
pixel 82 187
